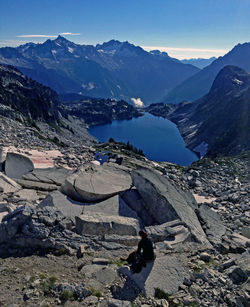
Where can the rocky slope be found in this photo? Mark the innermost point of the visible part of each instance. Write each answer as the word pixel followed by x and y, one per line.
pixel 32 99
pixel 199 84
pixel 219 122
pixel 111 70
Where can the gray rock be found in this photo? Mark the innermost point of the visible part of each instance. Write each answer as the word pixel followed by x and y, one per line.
pixel 123 240
pixel 26 194
pixel 100 261
pixel 245 231
pixel 8 185
pixel 165 273
pixel 64 204
pixel 112 206
pixel 117 303
pixel 48 175
pixel 237 275
pixel 17 165
pixel 100 224
pixel 35 185
pixel 165 202
pixel 97 183
pixel 212 224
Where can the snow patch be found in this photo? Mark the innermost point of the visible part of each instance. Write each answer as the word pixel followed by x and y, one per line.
pixel 89 86
pixel 71 50
pixel 239 82
pixel 53 52
pixel 137 102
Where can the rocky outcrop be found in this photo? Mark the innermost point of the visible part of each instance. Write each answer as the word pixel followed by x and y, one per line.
pixel 17 165
pixel 165 203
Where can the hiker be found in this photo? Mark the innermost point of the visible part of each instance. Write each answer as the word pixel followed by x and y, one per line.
pixel 143 254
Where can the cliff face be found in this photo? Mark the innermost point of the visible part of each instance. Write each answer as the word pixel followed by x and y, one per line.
pixel 219 121
pixel 32 99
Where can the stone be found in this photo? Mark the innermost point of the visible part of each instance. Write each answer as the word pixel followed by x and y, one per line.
pixel 97 183
pixel 17 165
pixel 100 224
pixel 8 185
pixel 239 240
pixel 205 257
pixel 53 175
pixel 39 186
pixel 166 273
pixel 26 194
pixel 165 202
pixel 64 204
pixel 237 275
pixel 212 223
pixel 80 251
pixel 113 206
pixel 117 303
pixel 123 239
pixel 245 231
pixel 100 261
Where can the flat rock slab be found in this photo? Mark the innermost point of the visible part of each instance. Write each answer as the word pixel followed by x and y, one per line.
pixel 34 185
pixel 167 202
pixel 8 185
pixel 17 165
pixel 113 206
pixel 67 206
pixel 48 175
pixel 106 224
pixel 27 194
pixel 97 183
pixel 166 273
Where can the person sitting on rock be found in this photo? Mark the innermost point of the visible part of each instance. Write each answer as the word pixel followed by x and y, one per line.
pixel 145 247
pixel 143 254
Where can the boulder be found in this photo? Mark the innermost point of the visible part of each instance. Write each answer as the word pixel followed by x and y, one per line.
pixel 173 232
pixel 8 185
pixel 100 224
pixel 113 206
pixel 64 204
pixel 245 231
pixel 165 202
pixel 117 303
pixel 17 165
pixel 96 183
pixel 166 273
pixel 212 224
pixel 53 175
pixel 26 194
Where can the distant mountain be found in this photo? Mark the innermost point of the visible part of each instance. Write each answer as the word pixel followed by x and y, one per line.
pixel 111 70
pixel 219 122
pixel 33 100
pixel 199 84
pixel 199 62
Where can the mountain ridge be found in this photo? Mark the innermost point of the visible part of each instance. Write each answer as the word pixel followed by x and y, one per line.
pixel 112 70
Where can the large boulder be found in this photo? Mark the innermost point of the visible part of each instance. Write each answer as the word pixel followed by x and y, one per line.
pixel 97 183
pixel 166 202
pixel 165 273
pixel 211 223
pixel 100 224
pixel 8 185
pixel 17 165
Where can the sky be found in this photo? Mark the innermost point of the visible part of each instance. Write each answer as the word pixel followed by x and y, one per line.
pixel 182 28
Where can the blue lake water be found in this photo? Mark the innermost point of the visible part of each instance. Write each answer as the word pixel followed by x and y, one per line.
pixel 159 138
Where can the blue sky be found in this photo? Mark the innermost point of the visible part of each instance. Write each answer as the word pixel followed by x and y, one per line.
pixel 183 28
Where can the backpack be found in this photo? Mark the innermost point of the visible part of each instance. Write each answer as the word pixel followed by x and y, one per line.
pixel 138 264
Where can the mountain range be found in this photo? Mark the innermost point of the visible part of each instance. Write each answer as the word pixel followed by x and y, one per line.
pixel 219 122
pixel 111 70
pixel 200 83
pixel 199 62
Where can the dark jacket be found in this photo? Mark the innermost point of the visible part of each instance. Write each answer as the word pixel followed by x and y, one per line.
pixel 145 249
